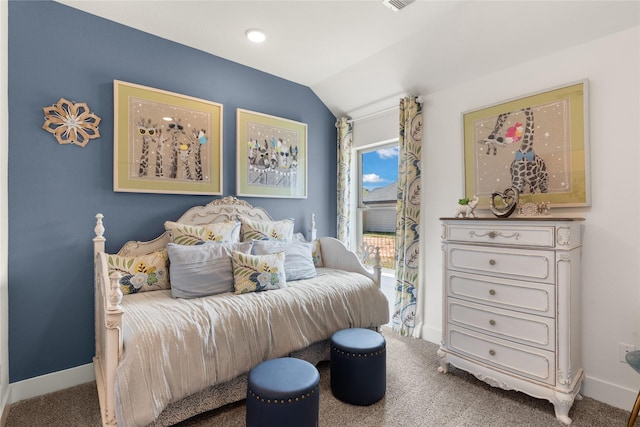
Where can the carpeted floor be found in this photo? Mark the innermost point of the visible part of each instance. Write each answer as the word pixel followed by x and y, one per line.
pixel 417 395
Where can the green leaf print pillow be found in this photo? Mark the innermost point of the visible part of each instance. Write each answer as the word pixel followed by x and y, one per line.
pixel 255 273
pixel 143 273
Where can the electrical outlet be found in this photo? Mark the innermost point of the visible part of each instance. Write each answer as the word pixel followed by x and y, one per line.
pixel 623 349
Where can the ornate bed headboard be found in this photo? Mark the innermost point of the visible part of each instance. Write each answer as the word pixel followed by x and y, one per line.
pixel 224 209
pixel 227 208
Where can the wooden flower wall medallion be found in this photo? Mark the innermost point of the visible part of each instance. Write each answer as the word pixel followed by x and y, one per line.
pixel 71 123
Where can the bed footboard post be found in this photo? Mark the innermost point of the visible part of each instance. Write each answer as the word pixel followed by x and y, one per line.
pixel 98 247
pixel 377 267
pixel 312 228
pixel 108 327
pixel 98 241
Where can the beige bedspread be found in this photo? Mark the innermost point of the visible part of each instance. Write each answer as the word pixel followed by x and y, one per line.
pixel 176 347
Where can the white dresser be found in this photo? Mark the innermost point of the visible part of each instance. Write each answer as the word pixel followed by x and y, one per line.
pixel 511 313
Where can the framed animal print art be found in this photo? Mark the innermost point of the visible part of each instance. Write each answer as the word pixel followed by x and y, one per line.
pixel 271 156
pixel 165 142
pixel 537 145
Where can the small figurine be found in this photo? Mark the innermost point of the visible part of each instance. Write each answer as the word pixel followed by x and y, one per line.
pixel 466 208
pixel 543 208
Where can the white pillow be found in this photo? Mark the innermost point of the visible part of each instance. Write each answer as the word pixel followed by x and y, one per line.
pixel 298 262
pixel 202 270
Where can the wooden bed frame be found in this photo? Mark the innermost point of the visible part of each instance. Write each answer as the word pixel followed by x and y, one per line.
pixel 109 311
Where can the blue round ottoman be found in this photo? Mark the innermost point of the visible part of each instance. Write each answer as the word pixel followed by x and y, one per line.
pixel 283 392
pixel 358 366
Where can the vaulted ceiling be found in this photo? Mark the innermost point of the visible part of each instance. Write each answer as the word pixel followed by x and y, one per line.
pixel 357 56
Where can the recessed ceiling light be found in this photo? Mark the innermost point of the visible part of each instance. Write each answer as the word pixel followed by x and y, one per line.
pixel 256 36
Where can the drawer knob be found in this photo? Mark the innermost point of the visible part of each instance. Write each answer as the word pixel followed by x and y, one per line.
pixel 492 262
pixel 492 234
pixel 492 322
pixel 492 352
pixel 492 292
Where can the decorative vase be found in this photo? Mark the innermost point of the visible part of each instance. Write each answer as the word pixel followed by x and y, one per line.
pixel 503 204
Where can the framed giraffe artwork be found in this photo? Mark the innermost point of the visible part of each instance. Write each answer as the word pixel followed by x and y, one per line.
pixel 165 142
pixel 537 145
pixel 271 156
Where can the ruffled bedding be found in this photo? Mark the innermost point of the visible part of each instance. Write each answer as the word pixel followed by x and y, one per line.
pixel 176 347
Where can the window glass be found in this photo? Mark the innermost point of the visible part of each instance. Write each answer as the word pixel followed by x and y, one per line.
pixel 379 176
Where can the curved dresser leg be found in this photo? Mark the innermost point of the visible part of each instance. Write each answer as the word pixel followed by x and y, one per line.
pixel 444 367
pixel 562 404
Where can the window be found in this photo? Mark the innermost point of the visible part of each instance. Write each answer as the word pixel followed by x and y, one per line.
pixel 377 197
pixel 378 176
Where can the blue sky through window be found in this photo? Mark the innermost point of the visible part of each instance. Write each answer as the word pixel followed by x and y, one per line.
pixel 380 167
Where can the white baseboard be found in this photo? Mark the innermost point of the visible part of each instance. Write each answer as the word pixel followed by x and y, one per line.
pixel 4 407
pixel 595 388
pixel 431 334
pixel 611 394
pixel 603 391
pixel 49 383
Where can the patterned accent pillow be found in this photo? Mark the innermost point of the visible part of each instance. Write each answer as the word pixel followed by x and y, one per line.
pixel 220 232
pixel 298 263
pixel 267 230
pixel 316 254
pixel 201 270
pixel 255 273
pixel 142 273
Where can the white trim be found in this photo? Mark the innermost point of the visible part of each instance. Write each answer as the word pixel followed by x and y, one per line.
pixel 4 407
pixel 5 389
pixel 49 383
pixel 431 334
pixel 366 116
pixel 611 394
pixel 595 388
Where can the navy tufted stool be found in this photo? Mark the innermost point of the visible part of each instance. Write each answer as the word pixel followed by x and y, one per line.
pixel 283 392
pixel 358 366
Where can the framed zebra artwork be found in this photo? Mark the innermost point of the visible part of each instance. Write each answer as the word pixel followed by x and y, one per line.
pixel 271 156
pixel 165 142
pixel 536 145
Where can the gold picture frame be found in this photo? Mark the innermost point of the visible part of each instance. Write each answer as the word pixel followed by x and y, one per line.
pixel 537 144
pixel 165 142
pixel 271 156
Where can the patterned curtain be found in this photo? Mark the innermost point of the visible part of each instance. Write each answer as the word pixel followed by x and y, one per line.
pixel 345 138
pixel 408 216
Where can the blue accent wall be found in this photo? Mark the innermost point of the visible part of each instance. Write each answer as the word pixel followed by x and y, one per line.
pixel 56 190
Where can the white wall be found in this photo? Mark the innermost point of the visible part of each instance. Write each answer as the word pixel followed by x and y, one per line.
pixel 4 231
pixel 610 255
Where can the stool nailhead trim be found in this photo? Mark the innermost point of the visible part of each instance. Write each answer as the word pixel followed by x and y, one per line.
pixel 348 353
pixel 289 400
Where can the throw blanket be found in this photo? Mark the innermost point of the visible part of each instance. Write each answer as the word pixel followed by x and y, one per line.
pixel 176 347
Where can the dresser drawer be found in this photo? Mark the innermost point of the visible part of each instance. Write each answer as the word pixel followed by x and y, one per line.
pixel 507 324
pixel 525 361
pixel 502 234
pixel 527 297
pixel 524 264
